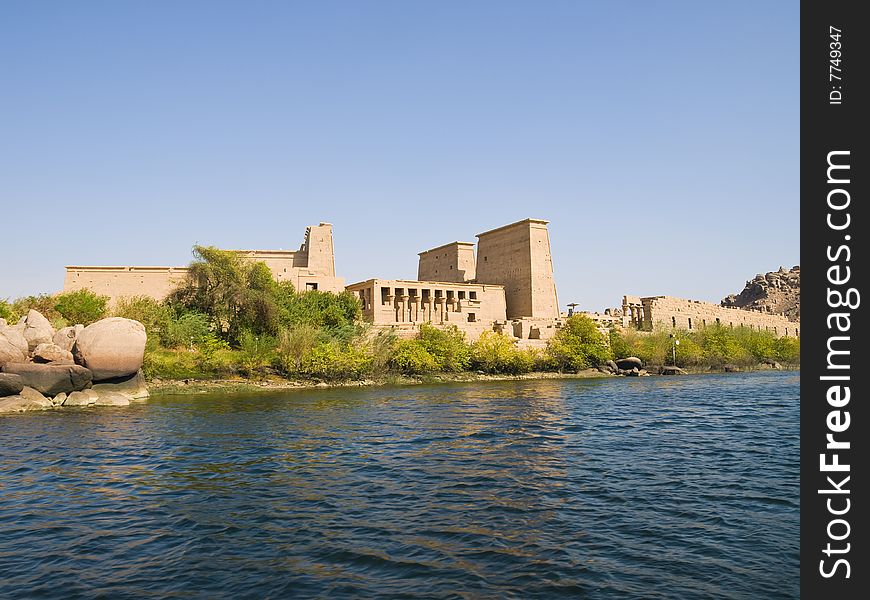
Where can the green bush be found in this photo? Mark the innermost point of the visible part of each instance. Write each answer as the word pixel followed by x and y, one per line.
pixel 722 346
pixel 578 345
pixel 215 357
pixel 7 313
pixel 497 353
pixel 173 364
pixel 256 353
pixel 82 306
pixel 294 343
pixel 447 346
pixel 620 346
pixel 323 310
pixel 43 303
pixel 410 357
pixel 787 350
pixel 154 315
pixel 334 361
pixel 380 347
pixel 186 331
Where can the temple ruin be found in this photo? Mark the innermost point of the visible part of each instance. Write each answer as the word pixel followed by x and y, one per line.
pixel 312 267
pixel 505 284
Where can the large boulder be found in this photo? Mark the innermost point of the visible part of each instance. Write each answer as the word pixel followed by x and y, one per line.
pixel 632 362
pixel 10 384
pixel 66 336
pixel 113 347
pixel 37 330
pixel 51 379
pixel 14 336
pixel 10 353
pixel 52 353
pixel 131 386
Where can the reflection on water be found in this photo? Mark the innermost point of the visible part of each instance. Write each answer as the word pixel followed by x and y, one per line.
pixel 654 487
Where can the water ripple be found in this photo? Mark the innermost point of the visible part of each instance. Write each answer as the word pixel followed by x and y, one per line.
pixel 654 488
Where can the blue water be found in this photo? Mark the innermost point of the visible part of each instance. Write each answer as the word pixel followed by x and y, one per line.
pixel 683 487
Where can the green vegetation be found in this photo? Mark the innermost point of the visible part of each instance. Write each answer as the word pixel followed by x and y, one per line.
pixel 82 306
pixel 578 345
pixel 712 346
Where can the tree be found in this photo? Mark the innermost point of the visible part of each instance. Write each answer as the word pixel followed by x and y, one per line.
pixel 235 293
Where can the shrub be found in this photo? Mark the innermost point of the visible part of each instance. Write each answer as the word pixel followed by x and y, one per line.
pixel 620 346
pixel 787 350
pixel 44 303
pixel 154 315
pixel 6 312
pixel 410 357
pixel 447 346
pixel 214 356
pixel 186 331
pixel 721 346
pixel 172 364
pixel 497 353
pixel 335 312
pixel 333 361
pixel 82 306
pixel 255 353
pixel 578 345
pixel 381 347
pixel 294 343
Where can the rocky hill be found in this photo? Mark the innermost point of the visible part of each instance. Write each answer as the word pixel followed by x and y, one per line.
pixel 775 292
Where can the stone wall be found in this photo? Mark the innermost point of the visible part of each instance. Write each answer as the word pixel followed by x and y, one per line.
pixel 121 282
pixel 453 262
pixel 667 311
pixel 310 267
pixel 517 256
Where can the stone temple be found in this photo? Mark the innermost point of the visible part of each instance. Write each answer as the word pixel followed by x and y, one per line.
pixel 506 284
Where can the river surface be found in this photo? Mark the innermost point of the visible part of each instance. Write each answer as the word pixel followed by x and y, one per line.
pixel 683 487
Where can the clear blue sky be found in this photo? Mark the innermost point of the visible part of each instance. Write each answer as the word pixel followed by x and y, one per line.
pixel 659 138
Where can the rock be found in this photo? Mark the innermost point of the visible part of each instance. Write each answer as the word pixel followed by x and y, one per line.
pixel 629 363
pixel 37 330
pixel 671 371
pixel 14 336
pixel 51 379
pixel 52 353
pixel 82 398
pixel 132 386
pixel 59 399
pixel 10 384
pixel 33 394
pixel 605 369
pixel 613 366
pixel 113 347
pixel 66 336
pixel 10 353
pixel 771 363
pixel 111 399
pixel 732 369
pixel 24 401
